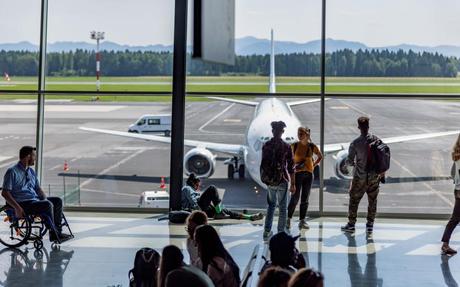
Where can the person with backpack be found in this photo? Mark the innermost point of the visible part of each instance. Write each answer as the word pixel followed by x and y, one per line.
pixel 455 218
pixel 303 151
pixel 370 159
pixel 209 201
pixel 144 273
pixel 277 171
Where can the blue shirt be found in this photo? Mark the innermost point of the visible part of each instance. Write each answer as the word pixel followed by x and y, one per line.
pixel 189 198
pixel 22 183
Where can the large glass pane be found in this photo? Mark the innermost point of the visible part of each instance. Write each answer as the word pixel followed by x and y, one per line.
pixel 19 44
pixel 296 32
pixel 93 168
pixel 377 47
pixel 135 45
pixel 419 177
pixel 246 127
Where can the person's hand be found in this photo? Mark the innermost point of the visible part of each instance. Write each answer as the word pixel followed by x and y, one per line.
pixel 19 212
pixel 292 189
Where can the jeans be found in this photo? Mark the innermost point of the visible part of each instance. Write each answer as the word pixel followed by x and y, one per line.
pixel 303 181
pixel 276 194
pixel 52 206
pixel 454 220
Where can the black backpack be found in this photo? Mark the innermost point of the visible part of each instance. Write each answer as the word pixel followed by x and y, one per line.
pixel 271 173
pixel 144 273
pixel 380 156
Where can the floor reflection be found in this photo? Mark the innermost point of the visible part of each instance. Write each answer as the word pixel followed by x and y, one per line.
pixel 448 278
pixel 37 268
pixel 370 275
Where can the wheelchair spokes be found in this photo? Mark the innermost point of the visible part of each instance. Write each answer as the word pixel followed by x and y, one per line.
pixel 14 233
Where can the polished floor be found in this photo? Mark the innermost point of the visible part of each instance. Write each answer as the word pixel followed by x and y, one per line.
pixel 400 253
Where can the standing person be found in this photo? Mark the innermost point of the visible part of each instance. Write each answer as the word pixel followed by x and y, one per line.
pixel 171 259
pixel 455 218
pixel 22 191
pixel 365 180
pixel 217 262
pixel 276 171
pixel 303 151
pixel 209 201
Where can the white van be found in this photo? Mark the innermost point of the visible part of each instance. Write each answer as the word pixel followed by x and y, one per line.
pixel 154 199
pixel 152 124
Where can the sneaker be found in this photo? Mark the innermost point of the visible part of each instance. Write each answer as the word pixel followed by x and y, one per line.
pixel 303 224
pixel 62 237
pixel 446 250
pixel 288 223
pixel 369 227
pixel 257 216
pixel 348 228
pixel 267 235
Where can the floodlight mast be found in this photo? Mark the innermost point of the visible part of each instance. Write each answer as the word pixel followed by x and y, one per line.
pixel 97 36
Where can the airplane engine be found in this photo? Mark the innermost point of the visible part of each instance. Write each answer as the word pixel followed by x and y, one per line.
pixel 342 169
pixel 199 161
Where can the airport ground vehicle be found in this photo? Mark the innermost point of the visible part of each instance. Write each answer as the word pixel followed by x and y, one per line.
pixel 152 124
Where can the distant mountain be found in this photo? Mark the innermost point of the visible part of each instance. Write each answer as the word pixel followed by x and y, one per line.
pixel 243 46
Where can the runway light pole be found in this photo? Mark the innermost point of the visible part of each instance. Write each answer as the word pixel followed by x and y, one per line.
pixel 97 36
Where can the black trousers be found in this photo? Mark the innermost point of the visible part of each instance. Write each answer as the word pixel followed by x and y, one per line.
pixel 52 206
pixel 209 199
pixel 303 181
pixel 454 220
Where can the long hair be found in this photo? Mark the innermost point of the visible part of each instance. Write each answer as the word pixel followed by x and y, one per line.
pixel 456 149
pixel 307 277
pixel 210 246
pixel 172 258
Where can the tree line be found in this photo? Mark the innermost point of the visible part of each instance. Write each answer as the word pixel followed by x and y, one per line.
pixel 362 63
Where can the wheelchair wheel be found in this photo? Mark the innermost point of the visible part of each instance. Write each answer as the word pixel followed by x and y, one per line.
pixel 14 233
pixel 38 244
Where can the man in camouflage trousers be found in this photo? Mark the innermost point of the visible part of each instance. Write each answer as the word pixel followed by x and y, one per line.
pixel 365 181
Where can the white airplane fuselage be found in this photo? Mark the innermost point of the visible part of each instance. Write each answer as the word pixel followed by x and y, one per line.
pixel 260 131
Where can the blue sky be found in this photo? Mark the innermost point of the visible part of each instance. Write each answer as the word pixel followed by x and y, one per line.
pixel 141 22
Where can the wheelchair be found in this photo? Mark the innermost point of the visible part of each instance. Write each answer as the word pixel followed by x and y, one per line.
pixel 16 232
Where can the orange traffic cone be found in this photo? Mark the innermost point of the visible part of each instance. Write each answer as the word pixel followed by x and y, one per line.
pixel 162 183
pixel 66 166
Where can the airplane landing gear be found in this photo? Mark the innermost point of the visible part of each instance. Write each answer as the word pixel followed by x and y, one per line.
pixel 234 166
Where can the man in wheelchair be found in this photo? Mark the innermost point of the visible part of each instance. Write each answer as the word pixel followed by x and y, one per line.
pixel 22 191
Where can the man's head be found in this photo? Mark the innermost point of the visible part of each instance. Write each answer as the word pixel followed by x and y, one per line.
pixel 278 128
pixel 363 124
pixel 27 155
pixel 282 249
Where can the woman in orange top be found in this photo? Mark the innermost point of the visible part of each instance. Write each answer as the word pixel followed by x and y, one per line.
pixel 303 151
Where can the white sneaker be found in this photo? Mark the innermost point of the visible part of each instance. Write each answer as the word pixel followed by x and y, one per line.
pixel 303 224
pixel 267 235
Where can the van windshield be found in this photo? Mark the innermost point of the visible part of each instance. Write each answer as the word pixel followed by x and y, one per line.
pixel 141 122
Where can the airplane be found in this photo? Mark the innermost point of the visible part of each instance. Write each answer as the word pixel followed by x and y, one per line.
pixel 201 159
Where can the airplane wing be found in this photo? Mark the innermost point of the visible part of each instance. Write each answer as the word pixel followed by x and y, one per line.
pixel 302 102
pixel 331 148
pixel 232 149
pixel 235 101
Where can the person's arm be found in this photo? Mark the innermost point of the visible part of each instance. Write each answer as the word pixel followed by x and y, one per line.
pixel 187 195
pixel 291 167
pixel 319 156
pixel 351 154
pixel 19 212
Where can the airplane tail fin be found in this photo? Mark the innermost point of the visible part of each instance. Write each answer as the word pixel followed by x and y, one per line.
pixel 272 84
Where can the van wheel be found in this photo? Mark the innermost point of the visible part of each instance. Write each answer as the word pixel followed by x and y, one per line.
pixel 167 133
pixel 230 171
pixel 241 171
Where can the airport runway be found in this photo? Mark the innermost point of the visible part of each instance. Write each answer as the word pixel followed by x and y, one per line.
pixel 113 171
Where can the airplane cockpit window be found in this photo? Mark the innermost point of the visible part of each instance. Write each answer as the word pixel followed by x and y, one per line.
pixel 259 143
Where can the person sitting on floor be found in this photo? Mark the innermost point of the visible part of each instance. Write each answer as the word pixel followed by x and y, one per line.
pixel 171 259
pixel 195 219
pixel 217 262
pixel 22 191
pixel 209 201
pixel 274 277
pixel 284 254
pixel 307 278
